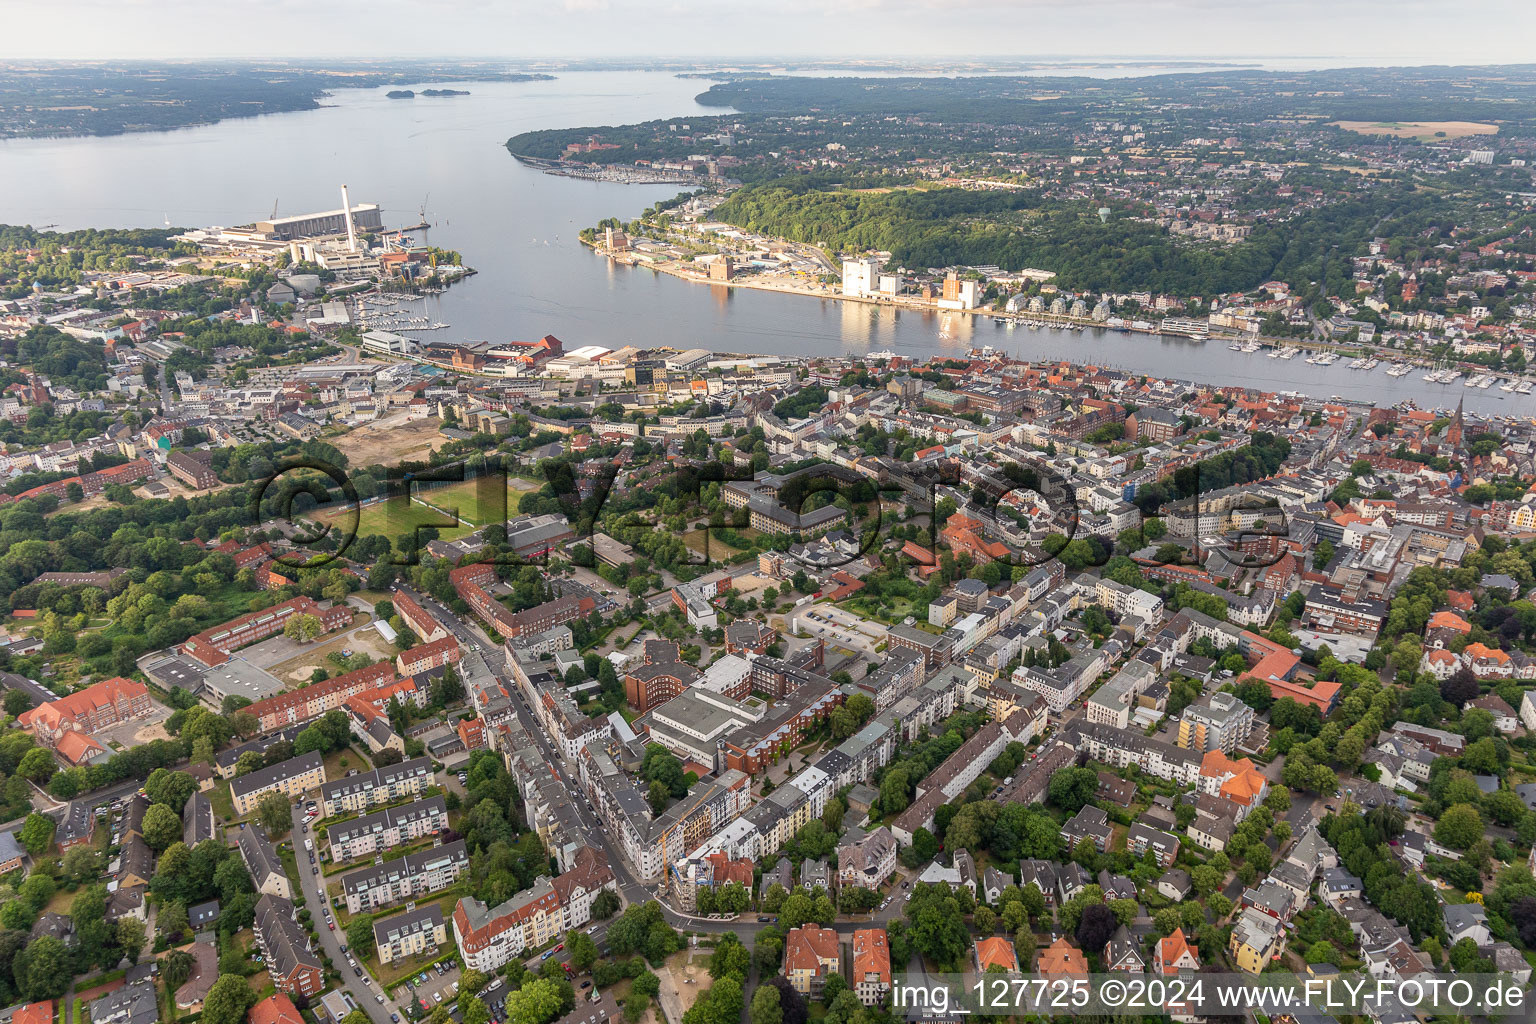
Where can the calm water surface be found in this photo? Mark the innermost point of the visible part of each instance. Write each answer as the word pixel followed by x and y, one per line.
pixel 518 228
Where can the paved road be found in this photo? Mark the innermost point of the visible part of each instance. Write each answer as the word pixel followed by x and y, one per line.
pixel 364 990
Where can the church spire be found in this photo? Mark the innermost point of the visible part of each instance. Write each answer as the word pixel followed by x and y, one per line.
pixel 1454 431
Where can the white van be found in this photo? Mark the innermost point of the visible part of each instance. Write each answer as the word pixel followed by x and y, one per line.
pixel 309 844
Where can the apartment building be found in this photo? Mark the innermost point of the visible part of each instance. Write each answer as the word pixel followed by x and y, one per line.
pixel 1221 724
pixel 416 618
pixel 404 878
pixel 292 778
pixel 365 790
pixel 488 939
pixel 387 829
pixel 291 963
pixel 314 700
pixel 262 861
pixel 428 657
pixel 811 955
pixel 871 965
pixel 413 933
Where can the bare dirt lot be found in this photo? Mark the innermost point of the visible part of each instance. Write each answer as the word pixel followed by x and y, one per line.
pixel 1419 129
pixel 690 973
pixel 299 669
pixel 753 582
pixel 392 439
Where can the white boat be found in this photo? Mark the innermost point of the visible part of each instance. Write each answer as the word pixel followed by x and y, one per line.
pixel 1273 353
pixel 884 353
pixel 1508 385
pixel 1289 353
pixel 1524 388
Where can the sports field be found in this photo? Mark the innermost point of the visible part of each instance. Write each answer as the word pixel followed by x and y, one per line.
pixel 476 502
pixel 480 501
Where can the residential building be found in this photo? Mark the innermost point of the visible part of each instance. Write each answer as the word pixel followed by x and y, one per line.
pixel 871 964
pixel 291 963
pixel 811 954
pixel 385 830
pixel 262 861
pixel 381 786
pixel 292 778
pixel 404 878
pixel 409 934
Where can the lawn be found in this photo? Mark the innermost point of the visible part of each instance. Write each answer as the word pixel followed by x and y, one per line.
pixel 335 769
pixel 708 543
pixel 395 518
pixel 223 803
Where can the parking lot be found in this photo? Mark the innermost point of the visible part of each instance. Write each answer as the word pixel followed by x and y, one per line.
pixel 431 986
pixel 838 626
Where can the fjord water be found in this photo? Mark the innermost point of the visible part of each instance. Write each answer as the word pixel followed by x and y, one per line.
pixel 518 228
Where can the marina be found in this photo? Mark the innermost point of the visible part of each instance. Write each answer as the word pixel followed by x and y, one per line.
pixel 499 213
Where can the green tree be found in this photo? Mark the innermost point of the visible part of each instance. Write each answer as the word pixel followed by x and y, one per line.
pixel 228 1000
pixel 38 765
pixel 274 812
pixel 131 934
pixel 1459 827
pixel 176 967
pixel 162 827
pixel 360 935
pixel 44 969
pixel 37 834
pixel 765 1006
pixel 171 788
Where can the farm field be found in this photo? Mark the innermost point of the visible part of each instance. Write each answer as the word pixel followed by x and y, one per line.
pixel 1419 129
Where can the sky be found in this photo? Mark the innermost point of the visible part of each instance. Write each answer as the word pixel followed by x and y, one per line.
pixel 1360 31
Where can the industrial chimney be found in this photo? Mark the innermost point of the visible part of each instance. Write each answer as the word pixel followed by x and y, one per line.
pixel 346 211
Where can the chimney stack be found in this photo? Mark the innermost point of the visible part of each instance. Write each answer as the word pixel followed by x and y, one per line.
pixel 346 210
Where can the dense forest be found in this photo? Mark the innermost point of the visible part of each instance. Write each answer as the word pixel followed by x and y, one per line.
pixel 1013 230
